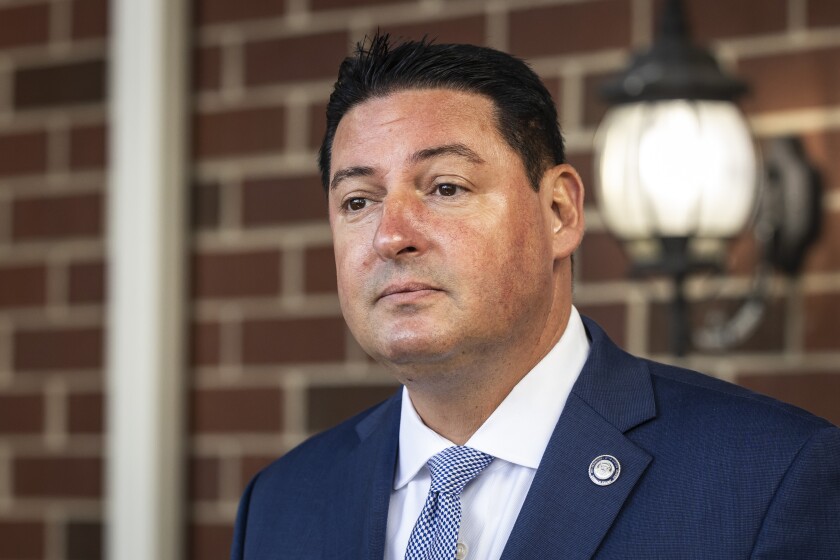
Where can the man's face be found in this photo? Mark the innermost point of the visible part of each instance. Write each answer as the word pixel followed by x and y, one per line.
pixel 443 249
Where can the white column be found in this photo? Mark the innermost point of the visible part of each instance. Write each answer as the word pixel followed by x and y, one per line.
pixel 147 196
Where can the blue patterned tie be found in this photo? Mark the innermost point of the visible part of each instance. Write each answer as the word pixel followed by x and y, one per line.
pixel 435 535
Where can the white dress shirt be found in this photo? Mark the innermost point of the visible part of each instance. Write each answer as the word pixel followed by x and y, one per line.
pixel 516 434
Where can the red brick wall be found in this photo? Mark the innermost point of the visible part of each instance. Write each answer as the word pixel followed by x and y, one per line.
pixel 271 360
pixel 53 67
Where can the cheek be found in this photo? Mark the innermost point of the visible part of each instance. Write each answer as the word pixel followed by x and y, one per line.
pixel 344 269
pixel 522 258
pixel 355 270
pixel 349 290
pixel 492 260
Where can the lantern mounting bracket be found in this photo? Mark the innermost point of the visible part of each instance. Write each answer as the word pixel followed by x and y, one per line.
pixel 673 68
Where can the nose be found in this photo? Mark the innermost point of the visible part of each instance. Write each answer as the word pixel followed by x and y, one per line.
pixel 400 230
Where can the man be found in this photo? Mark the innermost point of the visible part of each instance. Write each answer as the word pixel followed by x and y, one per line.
pixel 454 220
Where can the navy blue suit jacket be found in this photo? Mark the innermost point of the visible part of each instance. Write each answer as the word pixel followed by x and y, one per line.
pixel 708 470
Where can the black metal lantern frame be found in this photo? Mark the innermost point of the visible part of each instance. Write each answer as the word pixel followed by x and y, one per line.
pixel 676 69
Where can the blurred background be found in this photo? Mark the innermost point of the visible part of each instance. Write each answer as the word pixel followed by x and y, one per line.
pixel 269 360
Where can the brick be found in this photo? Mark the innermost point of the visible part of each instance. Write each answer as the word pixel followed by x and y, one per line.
pixel 21 414
pixel 238 132
pixel 293 341
pixel 89 19
pixel 317 125
pixel 816 392
pixel 205 206
pixel 78 215
pixel 88 147
pixel 821 312
pixel 83 540
pixel 277 201
pixel 743 255
pixel 22 286
pixel 57 477
pixel 457 30
pixel 205 341
pixel 21 540
pixel 22 153
pixel 555 89
pixel 250 465
pixel 280 60
pixel 823 13
pixel 5 211
pixel 24 25
pixel 718 19
pixel 207 68
pixel 210 542
pixel 327 406
pixel 86 413
pixel 612 317
pixel 319 270
pixel 67 348
pixel 601 258
pixel 768 337
pixel 570 28
pixel 594 106
pixel 86 282
pixel 339 4
pixel 583 162
pixel 236 410
pixel 824 255
pixel 224 11
pixel 72 83
pixel 232 275
pixel 791 81
pixel 821 148
pixel 204 478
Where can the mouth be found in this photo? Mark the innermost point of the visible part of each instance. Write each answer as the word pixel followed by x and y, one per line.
pixel 407 291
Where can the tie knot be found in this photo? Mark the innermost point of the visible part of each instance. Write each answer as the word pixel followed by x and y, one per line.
pixel 455 466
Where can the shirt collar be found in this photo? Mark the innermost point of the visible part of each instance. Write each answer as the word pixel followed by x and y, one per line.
pixel 519 429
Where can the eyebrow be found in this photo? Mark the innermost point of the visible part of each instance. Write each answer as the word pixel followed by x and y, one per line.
pixel 459 150
pixel 350 172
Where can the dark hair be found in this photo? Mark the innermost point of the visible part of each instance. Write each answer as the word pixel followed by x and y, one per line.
pixel 525 113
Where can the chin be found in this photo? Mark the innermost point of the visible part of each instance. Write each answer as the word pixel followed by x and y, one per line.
pixel 411 350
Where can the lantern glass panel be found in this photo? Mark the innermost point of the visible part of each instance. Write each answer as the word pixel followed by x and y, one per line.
pixel 675 168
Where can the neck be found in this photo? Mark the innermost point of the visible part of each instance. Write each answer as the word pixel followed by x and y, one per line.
pixel 455 403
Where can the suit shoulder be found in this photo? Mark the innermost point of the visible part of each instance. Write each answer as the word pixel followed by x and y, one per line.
pixel 316 454
pixel 698 392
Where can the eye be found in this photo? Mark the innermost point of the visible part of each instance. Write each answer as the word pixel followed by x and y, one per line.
pixel 355 204
pixel 447 189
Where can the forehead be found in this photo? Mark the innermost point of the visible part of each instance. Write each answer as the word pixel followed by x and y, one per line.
pixel 411 119
pixel 439 104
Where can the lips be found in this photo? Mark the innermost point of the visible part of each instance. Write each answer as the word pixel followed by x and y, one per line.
pixel 407 288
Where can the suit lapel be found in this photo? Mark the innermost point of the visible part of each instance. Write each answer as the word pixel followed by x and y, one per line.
pixel 376 455
pixel 355 511
pixel 565 514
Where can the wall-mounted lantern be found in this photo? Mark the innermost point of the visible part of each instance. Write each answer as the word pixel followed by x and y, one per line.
pixel 676 167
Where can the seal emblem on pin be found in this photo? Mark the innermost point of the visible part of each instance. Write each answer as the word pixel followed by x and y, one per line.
pixel 604 470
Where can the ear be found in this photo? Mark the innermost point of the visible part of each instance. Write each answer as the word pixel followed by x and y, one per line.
pixel 565 190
